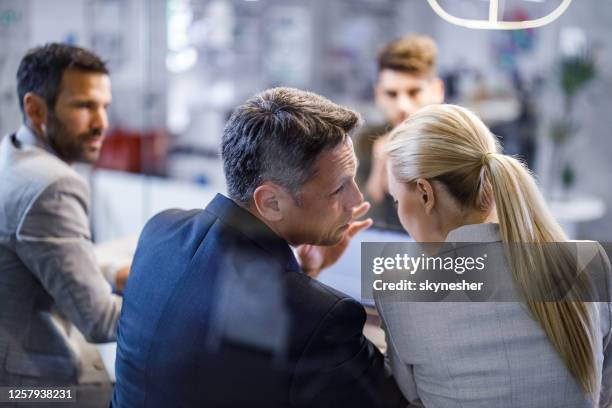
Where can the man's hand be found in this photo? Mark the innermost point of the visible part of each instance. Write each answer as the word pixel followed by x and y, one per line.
pixel 314 258
pixel 121 278
pixel 377 185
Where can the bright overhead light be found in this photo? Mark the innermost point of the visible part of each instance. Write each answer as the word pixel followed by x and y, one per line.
pixel 493 22
pixel 182 61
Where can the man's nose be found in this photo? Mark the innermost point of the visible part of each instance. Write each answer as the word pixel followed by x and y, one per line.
pixel 405 104
pixel 100 119
pixel 356 197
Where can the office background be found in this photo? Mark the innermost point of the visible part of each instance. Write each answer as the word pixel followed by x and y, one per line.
pixel 180 66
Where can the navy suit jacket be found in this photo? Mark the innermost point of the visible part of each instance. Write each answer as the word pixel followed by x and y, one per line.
pixel 217 313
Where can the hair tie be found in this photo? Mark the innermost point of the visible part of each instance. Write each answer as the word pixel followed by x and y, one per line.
pixel 485 158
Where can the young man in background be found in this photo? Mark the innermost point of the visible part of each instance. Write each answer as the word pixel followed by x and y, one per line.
pixel 407 81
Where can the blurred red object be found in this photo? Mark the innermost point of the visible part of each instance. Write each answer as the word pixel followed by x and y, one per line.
pixel 135 152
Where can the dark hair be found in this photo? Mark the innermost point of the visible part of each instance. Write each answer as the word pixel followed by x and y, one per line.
pixel 277 136
pixel 42 68
pixel 413 54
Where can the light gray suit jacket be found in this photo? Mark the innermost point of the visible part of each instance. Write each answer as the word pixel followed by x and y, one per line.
pixel 489 354
pixel 49 277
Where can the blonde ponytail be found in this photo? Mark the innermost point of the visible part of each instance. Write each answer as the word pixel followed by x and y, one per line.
pixel 526 222
pixel 452 145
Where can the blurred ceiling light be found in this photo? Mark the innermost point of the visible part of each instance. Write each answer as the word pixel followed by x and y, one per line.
pixel 180 18
pixel 493 22
pixel 572 42
pixel 182 61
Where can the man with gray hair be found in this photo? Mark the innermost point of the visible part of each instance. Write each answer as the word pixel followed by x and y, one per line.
pixel 218 312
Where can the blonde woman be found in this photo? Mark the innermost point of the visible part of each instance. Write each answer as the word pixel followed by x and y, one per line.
pixel 451 183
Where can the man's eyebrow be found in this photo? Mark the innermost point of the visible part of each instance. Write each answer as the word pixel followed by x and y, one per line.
pixel 88 99
pixel 80 100
pixel 343 181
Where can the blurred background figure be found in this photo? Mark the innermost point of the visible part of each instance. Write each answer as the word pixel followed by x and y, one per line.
pixel 51 281
pixel 407 81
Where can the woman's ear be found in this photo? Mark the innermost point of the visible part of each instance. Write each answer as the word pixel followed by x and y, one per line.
pixel 267 199
pixel 425 192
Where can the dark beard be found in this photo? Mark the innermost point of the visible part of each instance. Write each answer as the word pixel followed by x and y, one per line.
pixel 67 146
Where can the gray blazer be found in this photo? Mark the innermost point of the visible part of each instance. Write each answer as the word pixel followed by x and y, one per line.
pixel 485 354
pixel 49 278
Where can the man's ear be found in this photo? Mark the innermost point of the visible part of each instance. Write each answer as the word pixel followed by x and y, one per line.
pixel 268 200
pixel 426 195
pixel 377 88
pixel 439 91
pixel 36 110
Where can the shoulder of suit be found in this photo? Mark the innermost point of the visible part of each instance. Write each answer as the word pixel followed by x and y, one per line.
pixel 172 219
pixel 31 174
pixel 175 214
pixel 37 167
